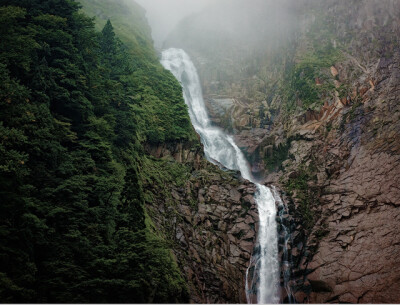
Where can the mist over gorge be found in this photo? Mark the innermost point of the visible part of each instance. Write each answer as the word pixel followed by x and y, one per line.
pixel 200 151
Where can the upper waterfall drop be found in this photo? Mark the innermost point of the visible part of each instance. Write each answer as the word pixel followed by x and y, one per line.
pixel 220 147
pixel 217 145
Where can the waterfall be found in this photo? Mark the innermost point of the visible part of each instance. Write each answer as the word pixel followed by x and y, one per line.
pixel 220 147
pixel 286 264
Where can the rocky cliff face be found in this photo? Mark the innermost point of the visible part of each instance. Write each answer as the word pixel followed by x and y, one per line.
pixel 325 128
pixel 216 240
pixel 351 154
pixel 211 218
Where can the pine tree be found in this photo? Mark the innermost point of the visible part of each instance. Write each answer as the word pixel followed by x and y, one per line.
pixel 108 41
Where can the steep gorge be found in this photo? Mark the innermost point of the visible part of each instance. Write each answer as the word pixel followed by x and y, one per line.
pixel 106 193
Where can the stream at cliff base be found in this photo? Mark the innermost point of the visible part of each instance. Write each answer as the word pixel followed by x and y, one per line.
pixel 263 279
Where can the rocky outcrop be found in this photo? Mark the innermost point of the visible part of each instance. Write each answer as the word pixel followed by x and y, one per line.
pixel 181 152
pixel 221 244
pixel 235 115
pixel 212 221
pixel 352 248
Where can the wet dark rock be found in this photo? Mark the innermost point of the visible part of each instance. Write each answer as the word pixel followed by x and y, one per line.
pixel 214 262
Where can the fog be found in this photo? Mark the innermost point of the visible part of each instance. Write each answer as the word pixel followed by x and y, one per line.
pixel 241 20
pixel 164 15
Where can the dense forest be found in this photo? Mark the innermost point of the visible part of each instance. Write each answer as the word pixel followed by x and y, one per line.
pixel 77 106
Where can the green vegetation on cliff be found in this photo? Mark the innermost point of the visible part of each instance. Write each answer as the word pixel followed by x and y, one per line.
pixel 308 78
pixel 129 22
pixel 76 107
pixel 306 195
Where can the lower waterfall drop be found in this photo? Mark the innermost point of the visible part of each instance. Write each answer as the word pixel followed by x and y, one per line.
pixel 262 278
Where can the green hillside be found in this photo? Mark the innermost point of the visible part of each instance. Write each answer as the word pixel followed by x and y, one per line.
pixel 129 22
pixel 77 107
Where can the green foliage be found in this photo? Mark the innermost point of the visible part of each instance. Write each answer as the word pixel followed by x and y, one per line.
pixel 129 22
pixel 279 154
pixel 17 41
pixel 164 172
pixel 301 79
pixel 308 79
pixel 304 193
pixel 343 91
pixel 159 176
pixel 76 107
pixel 158 98
pixel 107 40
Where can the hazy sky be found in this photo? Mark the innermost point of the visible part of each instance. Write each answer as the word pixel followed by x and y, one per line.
pixel 163 15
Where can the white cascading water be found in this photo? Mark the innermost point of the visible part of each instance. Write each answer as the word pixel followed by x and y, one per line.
pixel 286 263
pixel 220 147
